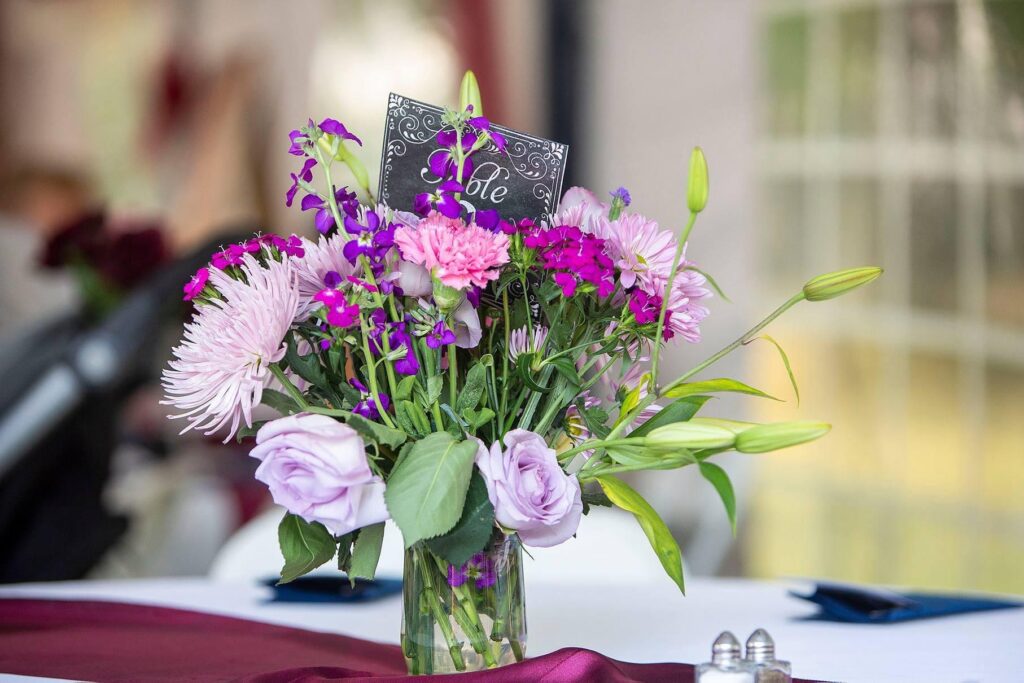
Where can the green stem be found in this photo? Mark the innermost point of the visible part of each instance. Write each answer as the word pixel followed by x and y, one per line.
pixel 504 360
pixel 598 443
pixel 680 247
pixel 453 374
pixel 439 616
pixel 288 386
pixel 372 372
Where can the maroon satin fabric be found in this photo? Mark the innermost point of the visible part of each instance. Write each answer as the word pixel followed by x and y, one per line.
pixel 104 641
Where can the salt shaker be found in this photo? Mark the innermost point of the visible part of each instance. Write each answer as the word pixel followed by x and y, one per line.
pixel 727 664
pixel 761 659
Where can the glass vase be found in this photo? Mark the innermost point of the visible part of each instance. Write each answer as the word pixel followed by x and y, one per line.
pixel 464 618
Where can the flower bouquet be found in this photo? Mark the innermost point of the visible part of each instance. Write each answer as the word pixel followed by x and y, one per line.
pixel 480 379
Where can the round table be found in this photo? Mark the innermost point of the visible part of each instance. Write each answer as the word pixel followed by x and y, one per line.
pixel 649 622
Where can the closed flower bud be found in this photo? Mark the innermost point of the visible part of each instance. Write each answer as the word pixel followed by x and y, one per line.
pixel 693 435
pixel 469 94
pixel 697 185
pixel 772 437
pixel 831 285
pixel 447 298
pixel 734 426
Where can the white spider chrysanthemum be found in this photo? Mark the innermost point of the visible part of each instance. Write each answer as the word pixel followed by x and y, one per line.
pixel 222 366
pixel 321 257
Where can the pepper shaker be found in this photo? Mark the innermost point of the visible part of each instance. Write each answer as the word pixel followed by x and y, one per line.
pixel 761 659
pixel 726 665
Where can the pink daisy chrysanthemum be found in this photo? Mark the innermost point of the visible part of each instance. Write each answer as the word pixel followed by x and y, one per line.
pixel 312 270
pixel 222 366
pixel 684 307
pixel 642 251
pixel 521 341
pixel 457 254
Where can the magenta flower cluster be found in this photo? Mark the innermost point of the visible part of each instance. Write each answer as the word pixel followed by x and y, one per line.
pixel 574 257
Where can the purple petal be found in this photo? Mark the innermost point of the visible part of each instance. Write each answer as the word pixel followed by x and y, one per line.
pixel 324 220
pixel 449 206
pixel 487 219
pixel 311 201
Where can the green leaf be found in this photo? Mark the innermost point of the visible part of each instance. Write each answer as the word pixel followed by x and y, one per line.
pixel 304 546
pixel 345 551
pixel 596 497
pixel 711 281
pixel 657 532
pixel 282 403
pixel 434 386
pixel 567 368
pixel 712 386
pixel 245 432
pixel 720 480
pixel 427 488
pixel 307 367
pixel 473 529
pixel 677 411
pixel 404 389
pixel 523 368
pixel 473 390
pixel 376 432
pixel 785 361
pixel 366 552
pixel 478 419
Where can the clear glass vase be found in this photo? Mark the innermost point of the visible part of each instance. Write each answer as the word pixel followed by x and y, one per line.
pixel 464 618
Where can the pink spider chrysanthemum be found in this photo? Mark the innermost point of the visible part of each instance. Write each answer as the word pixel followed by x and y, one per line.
pixel 455 253
pixel 222 366
pixel 313 270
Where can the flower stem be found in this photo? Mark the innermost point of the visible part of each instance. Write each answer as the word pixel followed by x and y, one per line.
pixel 453 374
pixel 372 372
pixel 680 247
pixel 288 386
pixel 439 616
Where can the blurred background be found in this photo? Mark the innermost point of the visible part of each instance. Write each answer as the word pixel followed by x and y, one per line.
pixel 838 132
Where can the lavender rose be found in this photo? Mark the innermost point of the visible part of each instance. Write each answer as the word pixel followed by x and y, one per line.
pixel 316 468
pixel 529 490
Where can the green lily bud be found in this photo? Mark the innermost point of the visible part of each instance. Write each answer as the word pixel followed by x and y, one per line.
pixel 335 147
pixel 831 285
pixel 734 426
pixel 690 435
pixel 469 94
pixel 772 437
pixel 697 183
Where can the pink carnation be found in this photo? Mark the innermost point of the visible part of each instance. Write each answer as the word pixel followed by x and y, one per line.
pixel 455 253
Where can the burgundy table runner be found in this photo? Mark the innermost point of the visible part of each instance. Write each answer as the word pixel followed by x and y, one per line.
pixel 107 641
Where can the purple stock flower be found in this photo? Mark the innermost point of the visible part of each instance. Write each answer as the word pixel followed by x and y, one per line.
pixel 332 279
pixel 442 164
pixel 367 407
pixel 324 217
pixel 488 219
pixel 622 194
pixel 306 175
pixel 440 336
pixel 399 339
pixel 443 200
pixel 334 127
pixel 299 140
pixel 483 126
pixel 373 239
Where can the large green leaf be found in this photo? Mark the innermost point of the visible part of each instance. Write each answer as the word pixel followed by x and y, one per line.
pixel 366 551
pixel 304 546
pixel 714 386
pixel 677 411
pixel 307 367
pixel 665 546
pixel 785 362
pixel 376 432
pixel 720 480
pixel 473 530
pixel 427 487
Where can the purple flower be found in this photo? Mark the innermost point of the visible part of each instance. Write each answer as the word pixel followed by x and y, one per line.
pixel 299 140
pixel 306 175
pixel 316 468
pixel 443 165
pixel 292 246
pixel 443 200
pixel 373 239
pixel 487 219
pixel 334 127
pixel 194 287
pixel 645 307
pixel 324 219
pixel 440 336
pixel 479 568
pixel 400 339
pixel 227 257
pixel 530 492
pixel 366 406
pixel 332 279
pixel 339 312
pixel 483 126
pixel 622 195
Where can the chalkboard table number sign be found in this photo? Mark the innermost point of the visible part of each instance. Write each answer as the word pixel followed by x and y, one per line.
pixel 525 182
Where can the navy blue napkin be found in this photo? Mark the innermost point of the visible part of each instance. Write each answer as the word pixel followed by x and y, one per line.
pixel 869 605
pixel 333 589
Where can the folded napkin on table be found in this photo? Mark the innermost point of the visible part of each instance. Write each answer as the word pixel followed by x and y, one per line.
pixel 871 605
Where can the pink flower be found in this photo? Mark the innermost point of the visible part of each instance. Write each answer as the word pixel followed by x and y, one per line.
pixel 455 253
pixel 582 209
pixel 194 287
pixel 521 341
pixel 316 468
pixel 529 490
pixel 312 271
pixel 641 250
pixel 220 369
pixel 685 313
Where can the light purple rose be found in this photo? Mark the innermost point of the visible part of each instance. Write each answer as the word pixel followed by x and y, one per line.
pixel 529 490
pixel 316 468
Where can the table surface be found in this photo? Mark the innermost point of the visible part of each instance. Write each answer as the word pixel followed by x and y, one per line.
pixel 639 623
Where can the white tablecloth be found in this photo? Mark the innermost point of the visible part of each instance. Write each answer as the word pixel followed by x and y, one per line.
pixel 641 623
